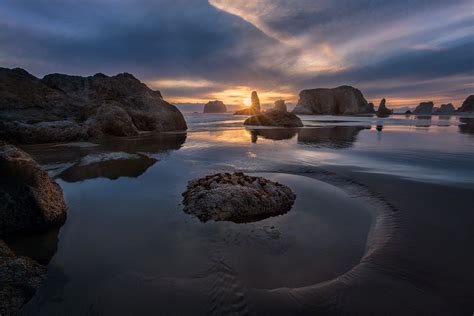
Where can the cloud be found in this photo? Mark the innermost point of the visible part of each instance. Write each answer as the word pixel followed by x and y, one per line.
pixel 199 49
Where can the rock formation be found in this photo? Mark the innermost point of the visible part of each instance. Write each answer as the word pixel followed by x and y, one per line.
pixel 408 112
pixel 274 118
pixel 254 107
pixel 29 199
pixel 215 107
pixel 236 197
pixel 20 277
pixel 68 108
pixel 382 111
pixel 467 105
pixel 344 100
pixel 280 105
pixel 424 108
pixel 445 109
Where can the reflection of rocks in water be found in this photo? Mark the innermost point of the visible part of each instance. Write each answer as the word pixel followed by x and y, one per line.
pixel 112 158
pixel 331 137
pixel 423 121
pixel 113 167
pixel 274 133
pixel 467 126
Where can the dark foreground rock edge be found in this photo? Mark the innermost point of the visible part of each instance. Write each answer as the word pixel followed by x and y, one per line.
pixel 236 197
pixel 64 108
pixel 29 201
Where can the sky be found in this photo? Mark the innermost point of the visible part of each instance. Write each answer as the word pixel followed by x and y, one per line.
pixel 193 51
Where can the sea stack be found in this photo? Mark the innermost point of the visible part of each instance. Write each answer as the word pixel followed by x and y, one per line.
pixel 467 105
pixel 343 100
pixel 274 118
pixel 445 109
pixel 382 111
pixel 60 108
pixel 254 107
pixel 280 105
pixel 215 107
pixel 424 108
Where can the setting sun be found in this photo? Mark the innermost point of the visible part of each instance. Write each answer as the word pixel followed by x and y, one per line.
pixel 247 102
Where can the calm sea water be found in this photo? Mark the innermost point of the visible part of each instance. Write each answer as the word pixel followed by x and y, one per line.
pixel 128 247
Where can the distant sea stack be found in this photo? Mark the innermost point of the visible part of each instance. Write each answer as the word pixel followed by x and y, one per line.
pixel 62 108
pixel 280 105
pixel 424 108
pixel 254 107
pixel 215 107
pixel 467 105
pixel 382 110
pixel 274 118
pixel 344 100
pixel 445 109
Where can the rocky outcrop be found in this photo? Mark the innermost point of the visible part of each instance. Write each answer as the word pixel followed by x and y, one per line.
pixel 254 107
pixel 274 118
pixel 467 105
pixel 408 112
pixel 68 108
pixel 382 110
pixel 280 105
pixel 29 199
pixel 445 109
pixel 236 197
pixel 215 107
pixel 344 100
pixel 424 108
pixel 20 277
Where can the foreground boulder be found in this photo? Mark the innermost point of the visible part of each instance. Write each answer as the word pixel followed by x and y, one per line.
pixel 215 107
pixel 280 105
pixel 274 118
pixel 254 106
pixel 61 108
pixel 382 110
pixel 20 277
pixel 424 108
pixel 344 100
pixel 445 109
pixel 29 199
pixel 236 197
pixel 467 105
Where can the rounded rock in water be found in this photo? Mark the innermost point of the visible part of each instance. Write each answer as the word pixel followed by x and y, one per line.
pixel 236 197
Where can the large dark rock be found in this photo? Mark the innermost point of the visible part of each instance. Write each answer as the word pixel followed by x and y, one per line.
pixel 67 108
pixel 467 105
pixel 254 106
pixel 274 118
pixel 20 277
pixel 280 105
pixel 29 199
pixel 215 107
pixel 445 109
pixel 344 100
pixel 382 110
pixel 236 197
pixel 424 108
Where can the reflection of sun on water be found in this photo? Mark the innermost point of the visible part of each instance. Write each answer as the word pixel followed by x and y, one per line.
pixel 247 102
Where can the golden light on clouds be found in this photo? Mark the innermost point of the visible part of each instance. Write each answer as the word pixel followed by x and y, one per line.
pixel 181 83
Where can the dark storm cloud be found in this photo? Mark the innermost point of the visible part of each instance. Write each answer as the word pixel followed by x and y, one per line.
pixel 392 47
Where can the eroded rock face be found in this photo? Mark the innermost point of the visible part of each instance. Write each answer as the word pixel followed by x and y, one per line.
pixel 236 197
pixel 20 277
pixel 424 108
pixel 274 118
pixel 467 105
pixel 344 100
pixel 280 105
pixel 68 108
pixel 215 107
pixel 29 199
pixel 382 110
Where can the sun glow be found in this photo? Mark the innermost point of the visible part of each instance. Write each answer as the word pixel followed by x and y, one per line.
pixel 247 102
